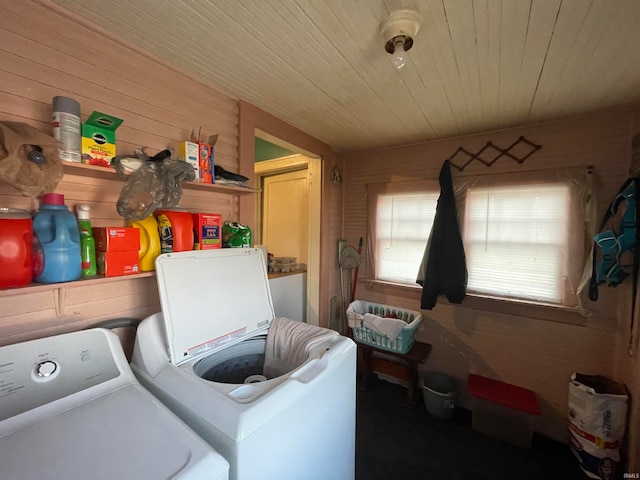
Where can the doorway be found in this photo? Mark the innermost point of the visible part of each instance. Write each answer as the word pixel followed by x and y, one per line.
pixel 288 212
pixel 285 214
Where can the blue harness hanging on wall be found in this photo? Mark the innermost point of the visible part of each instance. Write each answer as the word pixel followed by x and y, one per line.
pixel 614 242
pixel 617 240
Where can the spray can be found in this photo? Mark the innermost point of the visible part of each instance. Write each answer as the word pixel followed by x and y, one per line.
pixel 66 128
pixel 87 242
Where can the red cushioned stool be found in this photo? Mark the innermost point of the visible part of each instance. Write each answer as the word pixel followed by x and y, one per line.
pixel 502 410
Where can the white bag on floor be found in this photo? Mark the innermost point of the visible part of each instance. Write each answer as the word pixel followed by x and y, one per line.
pixel 597 422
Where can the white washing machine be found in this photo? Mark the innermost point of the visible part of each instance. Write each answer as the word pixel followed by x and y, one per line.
pixel 70 408
pixel 211 338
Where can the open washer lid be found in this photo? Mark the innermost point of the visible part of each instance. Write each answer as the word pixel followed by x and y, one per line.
pixel 211 298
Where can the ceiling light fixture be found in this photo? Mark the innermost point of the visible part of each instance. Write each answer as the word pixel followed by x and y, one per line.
pixel 398 31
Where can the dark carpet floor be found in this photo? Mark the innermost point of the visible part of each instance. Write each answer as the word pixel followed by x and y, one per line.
pixel 394 443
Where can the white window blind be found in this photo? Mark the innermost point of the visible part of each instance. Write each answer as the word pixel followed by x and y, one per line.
pixel 516 240
pixel 403 224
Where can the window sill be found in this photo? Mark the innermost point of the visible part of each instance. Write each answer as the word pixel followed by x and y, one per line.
pixel 526 309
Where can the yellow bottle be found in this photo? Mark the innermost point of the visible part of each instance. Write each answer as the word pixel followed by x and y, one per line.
pixel 149 242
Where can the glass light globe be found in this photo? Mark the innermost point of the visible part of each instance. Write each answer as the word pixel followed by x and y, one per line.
pixel 399 56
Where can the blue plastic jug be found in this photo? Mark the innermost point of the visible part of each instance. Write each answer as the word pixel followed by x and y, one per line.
pixel 56 231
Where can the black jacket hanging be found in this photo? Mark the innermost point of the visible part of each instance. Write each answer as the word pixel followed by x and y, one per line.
pixel 443 270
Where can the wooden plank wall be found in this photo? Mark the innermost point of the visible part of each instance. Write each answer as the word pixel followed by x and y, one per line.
pixel 628 366
pixel 44 53
pixel 521 349
pixel 627 370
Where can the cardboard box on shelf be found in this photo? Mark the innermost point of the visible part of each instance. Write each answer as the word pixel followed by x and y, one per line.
pixel 205 155
pixel 187 152
pixel 116 239
pixel 206 231
pixel 114 264
pixel 204 165
pixel 99 139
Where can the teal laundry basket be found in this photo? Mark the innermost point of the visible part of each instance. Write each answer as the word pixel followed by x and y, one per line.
pixel 401 344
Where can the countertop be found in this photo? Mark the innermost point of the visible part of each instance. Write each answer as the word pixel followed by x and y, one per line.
pixel 285 274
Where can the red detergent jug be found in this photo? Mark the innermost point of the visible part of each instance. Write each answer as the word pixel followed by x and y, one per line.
pixel 175 227
pixel 16 236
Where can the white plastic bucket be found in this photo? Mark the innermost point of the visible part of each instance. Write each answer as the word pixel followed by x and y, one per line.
pixel 440 393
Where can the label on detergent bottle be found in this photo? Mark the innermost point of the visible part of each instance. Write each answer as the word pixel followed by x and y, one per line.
pixel 37 257
pixel 166 234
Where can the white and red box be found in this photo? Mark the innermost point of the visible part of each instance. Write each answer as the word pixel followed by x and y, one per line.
pixel 205 168
pixel 117 250
pixel 116 239
pixel 115 264
pixel 187 152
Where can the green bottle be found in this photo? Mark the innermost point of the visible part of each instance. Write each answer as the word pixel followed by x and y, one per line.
pixel 87 243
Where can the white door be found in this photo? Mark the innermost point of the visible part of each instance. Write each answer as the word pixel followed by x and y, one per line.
pixel 285 220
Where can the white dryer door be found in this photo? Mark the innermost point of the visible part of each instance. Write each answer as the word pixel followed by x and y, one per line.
pixel 211 298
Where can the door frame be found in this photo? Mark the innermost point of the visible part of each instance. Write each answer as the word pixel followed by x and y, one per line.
pixel 313 167
pixel 252 119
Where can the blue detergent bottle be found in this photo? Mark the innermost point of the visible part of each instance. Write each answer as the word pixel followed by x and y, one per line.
pixel 56 230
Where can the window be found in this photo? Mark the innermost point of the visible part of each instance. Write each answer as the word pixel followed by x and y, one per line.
pixel 525 235
pixel 515 241
pixel 403 226
pixel 402 218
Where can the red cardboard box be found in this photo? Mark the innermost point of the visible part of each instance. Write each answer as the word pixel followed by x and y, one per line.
pixel 116 239
pixel 206 231
pixel 114 264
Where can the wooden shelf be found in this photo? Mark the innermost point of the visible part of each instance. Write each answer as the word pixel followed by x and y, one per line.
pixel 110 174
pixel 93 171
pixel 44 287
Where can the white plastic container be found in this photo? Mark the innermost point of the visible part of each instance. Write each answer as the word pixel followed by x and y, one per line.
pixel 440 394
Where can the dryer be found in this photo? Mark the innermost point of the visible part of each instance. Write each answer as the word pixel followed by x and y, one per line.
pixel 70 408
pixel 202 355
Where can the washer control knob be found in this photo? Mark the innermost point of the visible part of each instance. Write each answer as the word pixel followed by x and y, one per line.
pixel 46 369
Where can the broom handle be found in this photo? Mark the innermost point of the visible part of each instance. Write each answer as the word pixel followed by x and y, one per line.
pixel 355 279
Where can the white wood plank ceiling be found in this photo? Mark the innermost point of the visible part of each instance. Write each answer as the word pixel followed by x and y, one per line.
pixel 320 65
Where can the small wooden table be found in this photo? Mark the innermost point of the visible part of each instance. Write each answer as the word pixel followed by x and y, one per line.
pixel 404 368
